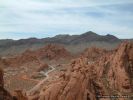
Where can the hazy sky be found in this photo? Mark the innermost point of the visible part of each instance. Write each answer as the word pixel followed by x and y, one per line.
pixel 42 18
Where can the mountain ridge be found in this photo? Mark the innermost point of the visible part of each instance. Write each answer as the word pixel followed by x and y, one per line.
pixel 87 35
pixel 74 43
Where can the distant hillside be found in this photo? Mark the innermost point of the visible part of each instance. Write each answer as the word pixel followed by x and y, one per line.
pixel 74 43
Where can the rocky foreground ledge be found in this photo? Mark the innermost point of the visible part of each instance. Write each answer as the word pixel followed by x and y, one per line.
pixel 111 74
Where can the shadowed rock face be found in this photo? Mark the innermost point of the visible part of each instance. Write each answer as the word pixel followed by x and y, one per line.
pixel 1 78
pixel 4 95
pixel 122 68
pixel 111 74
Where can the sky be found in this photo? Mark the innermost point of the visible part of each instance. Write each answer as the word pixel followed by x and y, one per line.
pixel 46 18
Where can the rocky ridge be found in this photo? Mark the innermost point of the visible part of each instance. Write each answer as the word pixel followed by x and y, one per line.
pixel 10 47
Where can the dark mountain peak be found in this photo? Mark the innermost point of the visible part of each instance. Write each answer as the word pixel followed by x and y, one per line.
pixel 89 33
pixel 86 37
pixel 92 36
pixel 111 37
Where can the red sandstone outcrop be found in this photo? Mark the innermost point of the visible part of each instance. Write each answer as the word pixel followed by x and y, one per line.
pixel 121 69
pixel 4 95
pixel 53 51
pixel 24 58
pixel 93 53
pixel 110 75
pixel 49 52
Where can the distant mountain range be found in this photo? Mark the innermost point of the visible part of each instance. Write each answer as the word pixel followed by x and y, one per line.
pixel 63 39
pixel 74 43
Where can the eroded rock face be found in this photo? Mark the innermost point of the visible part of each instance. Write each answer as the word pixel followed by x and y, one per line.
pixel 4 95
pixel 109 75
pixel 122 68
pixel 93 53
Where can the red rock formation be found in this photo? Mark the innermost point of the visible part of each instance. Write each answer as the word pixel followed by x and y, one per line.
pixel 110 75
pixel 93 53
pixel 50 52
pixel 19 95
pixel 53 51
pixel 122 68
pixel 24 58
pixel 72 85
pixel 4 95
